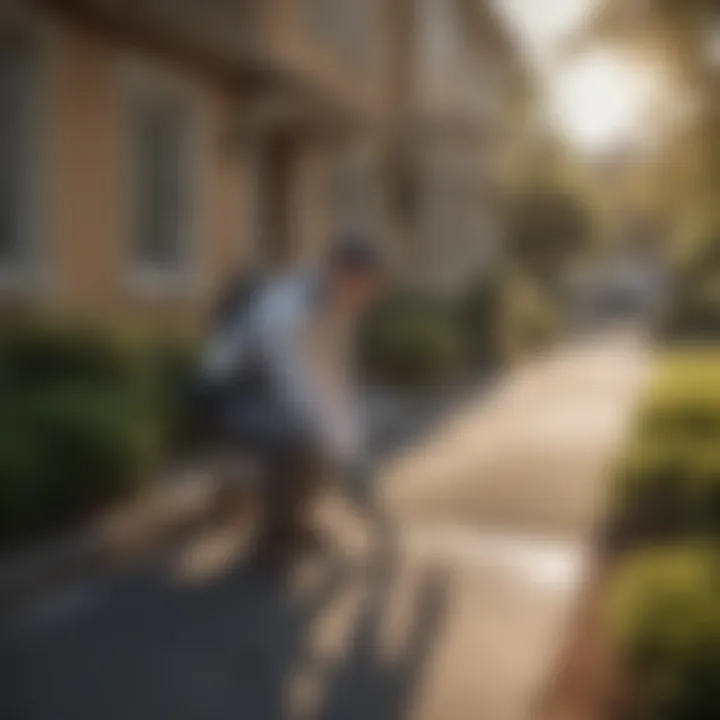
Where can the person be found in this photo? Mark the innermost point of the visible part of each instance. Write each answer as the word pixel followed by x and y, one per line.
pixel 292 399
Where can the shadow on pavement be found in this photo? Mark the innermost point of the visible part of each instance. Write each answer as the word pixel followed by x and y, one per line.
pixel 227 649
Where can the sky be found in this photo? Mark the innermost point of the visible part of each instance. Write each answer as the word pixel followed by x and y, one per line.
pixel 599 98
pixel 542 24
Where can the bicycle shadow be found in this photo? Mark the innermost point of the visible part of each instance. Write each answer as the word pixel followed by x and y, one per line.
pixel 229 648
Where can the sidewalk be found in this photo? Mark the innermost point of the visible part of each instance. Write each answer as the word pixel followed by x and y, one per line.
pixel 508 496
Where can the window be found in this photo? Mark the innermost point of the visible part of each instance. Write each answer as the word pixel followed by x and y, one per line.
pixel 161 183
pixel 17 81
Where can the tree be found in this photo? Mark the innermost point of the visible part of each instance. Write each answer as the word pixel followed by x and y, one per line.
pixel 684 39
pixel 547 228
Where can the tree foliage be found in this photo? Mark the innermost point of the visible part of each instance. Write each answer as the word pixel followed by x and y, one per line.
pixel 548 227
pixel 678 36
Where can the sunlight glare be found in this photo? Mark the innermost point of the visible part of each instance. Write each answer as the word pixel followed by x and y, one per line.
pixel 601 101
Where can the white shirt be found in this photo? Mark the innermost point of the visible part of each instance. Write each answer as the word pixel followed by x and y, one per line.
pixel 304 348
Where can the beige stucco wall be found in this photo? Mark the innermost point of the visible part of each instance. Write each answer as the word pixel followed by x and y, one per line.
pixel 312 212
pixel 84 193
pixel 294 42
pixel 84 246
pixel 83 181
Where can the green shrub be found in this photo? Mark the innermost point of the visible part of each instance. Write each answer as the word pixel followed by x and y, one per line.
pixel 84 420
pixel 40 353
pixel 669 481
pixel 664 604
pixel 413 341
pixel 96 444
pixel 547 226
pixel 529 319
pixel 670 489
pixel 684 398
pixel 20 479
pixel 170 368
pixel 479 317
pixel 664 622
pixel 694 314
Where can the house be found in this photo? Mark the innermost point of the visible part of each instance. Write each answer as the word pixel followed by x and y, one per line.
pixel 457 75
pixel 150 149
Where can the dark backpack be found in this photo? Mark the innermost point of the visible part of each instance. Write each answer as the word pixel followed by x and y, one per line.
pixel 210 397
pixel 236 299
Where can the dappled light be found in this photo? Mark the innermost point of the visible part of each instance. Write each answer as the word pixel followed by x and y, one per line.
pixel 358 359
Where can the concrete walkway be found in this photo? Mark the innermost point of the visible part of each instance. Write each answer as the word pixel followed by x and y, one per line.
pixel 458 616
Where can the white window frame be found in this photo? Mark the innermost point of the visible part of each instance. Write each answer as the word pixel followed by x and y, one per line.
pixel 29 273
pixel 145 79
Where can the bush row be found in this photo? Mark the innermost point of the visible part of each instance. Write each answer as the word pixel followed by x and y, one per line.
pixel 664 615
pixel 416 340
pixel 694 314
pixel 669 481
pixel 412 341
pixel 664 605
pixel 84 420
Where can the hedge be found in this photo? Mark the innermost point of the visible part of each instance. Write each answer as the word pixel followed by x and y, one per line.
pixel 669 481
pixel 663 607
pixel 85 419
pixel 529 318
pixel 413 341
pixel 416 340
pixel 479 314
pixel 694 314
pixel 664 621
